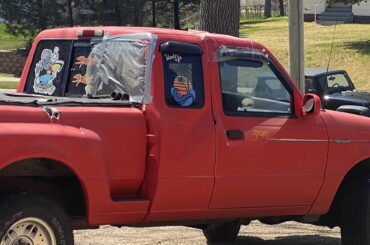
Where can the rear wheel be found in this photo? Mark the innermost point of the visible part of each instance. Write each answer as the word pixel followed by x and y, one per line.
pixel 226 232
pixel 28 219
pixel 355 213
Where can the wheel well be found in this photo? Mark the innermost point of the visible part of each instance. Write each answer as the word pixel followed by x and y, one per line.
pixel 333 217
pixel 47 177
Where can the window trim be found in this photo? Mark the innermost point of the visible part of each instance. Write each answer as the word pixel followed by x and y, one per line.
pixel 249 55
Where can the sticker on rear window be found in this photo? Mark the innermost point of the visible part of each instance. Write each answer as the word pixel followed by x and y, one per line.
pixel 46 70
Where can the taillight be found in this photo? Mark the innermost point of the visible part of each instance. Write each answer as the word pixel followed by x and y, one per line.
pixel 90 33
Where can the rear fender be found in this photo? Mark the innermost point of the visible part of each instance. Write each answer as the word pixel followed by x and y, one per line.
pixel 80 150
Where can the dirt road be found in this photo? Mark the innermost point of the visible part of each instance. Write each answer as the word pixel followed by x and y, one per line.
pixel 289 233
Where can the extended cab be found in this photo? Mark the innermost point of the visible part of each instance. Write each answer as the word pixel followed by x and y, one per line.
pixel 142 126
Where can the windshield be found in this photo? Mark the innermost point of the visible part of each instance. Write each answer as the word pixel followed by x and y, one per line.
pixel 75 68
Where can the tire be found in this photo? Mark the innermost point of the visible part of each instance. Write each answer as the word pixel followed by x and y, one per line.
pixel 32 219
pixel 222 233
pixel 355 213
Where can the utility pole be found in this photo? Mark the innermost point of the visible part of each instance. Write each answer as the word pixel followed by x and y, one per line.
pixel 296 42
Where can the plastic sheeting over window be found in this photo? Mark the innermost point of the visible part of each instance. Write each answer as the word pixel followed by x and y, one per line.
pixel 122 64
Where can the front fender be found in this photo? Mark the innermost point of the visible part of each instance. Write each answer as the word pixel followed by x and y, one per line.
pixel 349 145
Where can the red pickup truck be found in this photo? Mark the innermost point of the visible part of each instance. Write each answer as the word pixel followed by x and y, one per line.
pixel 140 127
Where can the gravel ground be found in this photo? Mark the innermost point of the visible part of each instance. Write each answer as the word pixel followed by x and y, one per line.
pixel 289 233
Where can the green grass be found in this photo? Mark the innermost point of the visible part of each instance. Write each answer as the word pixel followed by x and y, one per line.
pixel 8 85
pixel 6 75
pixel 8 41
pixel 351 49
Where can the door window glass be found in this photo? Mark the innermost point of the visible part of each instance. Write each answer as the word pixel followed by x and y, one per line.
pixel 250 86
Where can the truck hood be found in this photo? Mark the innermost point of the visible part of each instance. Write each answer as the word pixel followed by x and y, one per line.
pixel 346 126
pixel 351 98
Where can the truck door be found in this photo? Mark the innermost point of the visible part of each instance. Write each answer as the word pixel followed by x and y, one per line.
pixel 265 155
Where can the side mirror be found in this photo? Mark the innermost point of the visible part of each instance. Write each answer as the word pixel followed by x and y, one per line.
pixel 311 104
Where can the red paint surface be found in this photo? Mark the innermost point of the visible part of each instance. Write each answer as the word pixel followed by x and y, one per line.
pixel 176 164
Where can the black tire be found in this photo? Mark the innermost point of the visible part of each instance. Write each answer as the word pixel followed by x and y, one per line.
pixel 42 219
pixel 355 213
pixel 222 233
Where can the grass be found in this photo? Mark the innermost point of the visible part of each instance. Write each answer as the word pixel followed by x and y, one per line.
pixel 6 75
pixel 8 85
pixel 351 50
pixel 8 41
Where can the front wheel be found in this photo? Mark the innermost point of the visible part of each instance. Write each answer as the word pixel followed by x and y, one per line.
pixel 355 213
pixel 222 233
pixel 28 219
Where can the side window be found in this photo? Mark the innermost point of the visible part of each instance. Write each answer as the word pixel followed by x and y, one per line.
pixel 250 87
pixel 337 83
pixel 184 85
pixel 49 68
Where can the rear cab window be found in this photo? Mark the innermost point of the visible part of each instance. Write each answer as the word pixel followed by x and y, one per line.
pixel 93 68
pixel 49 68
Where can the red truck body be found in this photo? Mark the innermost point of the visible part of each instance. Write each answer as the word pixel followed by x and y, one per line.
pixel 155 163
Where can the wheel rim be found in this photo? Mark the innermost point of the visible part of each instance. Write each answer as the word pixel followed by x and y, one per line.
pixel 29 231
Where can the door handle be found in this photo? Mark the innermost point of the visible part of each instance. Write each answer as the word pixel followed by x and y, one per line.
pixel 235 134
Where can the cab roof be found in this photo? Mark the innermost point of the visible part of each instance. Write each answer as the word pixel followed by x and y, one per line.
pixel 191 35
pixel 315 71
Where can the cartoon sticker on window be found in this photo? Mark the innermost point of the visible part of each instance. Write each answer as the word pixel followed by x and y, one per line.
pixel 182 90
pixel 46 70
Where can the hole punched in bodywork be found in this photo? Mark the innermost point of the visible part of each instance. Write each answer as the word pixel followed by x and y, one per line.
pixel 52 112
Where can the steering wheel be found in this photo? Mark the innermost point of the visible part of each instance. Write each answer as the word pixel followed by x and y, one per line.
pixel 335 85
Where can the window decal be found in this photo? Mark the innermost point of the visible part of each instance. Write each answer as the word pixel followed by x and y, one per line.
pixel 183 80
pixel 176 57
pixel 182 91
pixel 82 60
pixel 46 70
pixel 81 79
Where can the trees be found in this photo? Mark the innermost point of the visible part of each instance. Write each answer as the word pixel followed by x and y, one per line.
pixel 220 16
pixel 25 17
pixel 281 7
pixel 28 17
pixel 345 1
pixel 176 15
pixel 267 12
pixel 154 15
